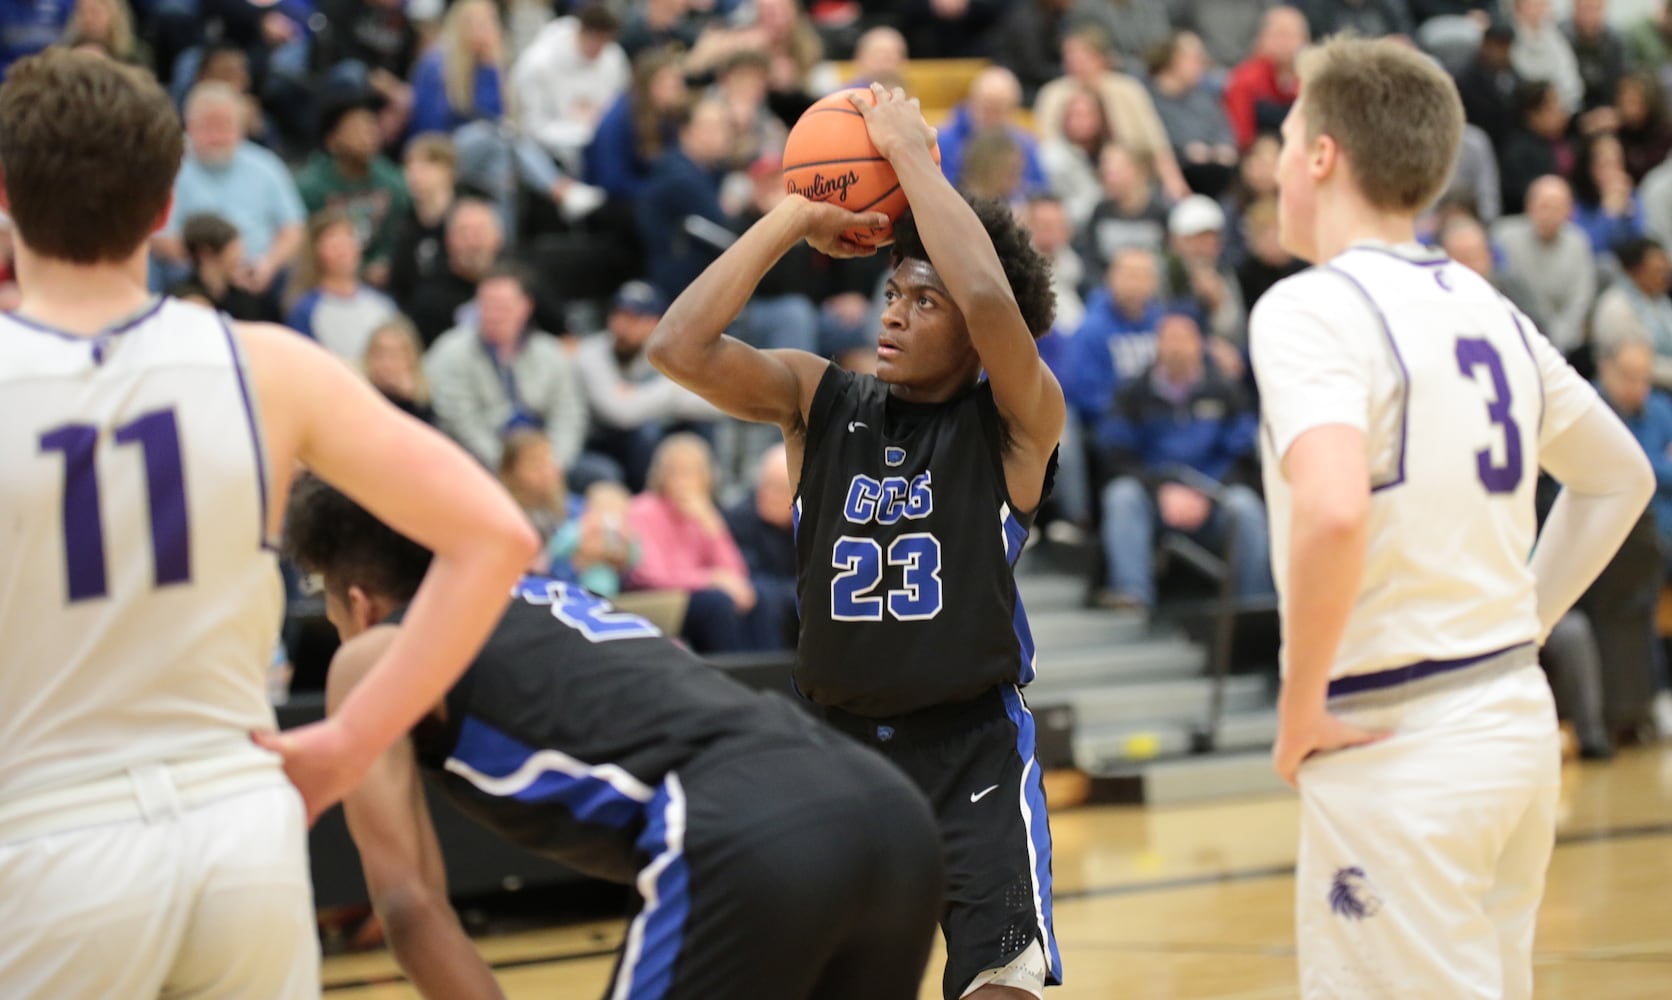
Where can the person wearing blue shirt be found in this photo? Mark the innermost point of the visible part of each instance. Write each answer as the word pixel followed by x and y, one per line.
pixel 995 95
pixel 1116 340
pixel 1625 374
pixel 28 26
pixel 680 222
pixel 619 157
pixel 1174 439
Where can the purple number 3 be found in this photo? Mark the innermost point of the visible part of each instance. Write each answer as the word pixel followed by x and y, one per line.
pixel 1472 353
pixel 158 437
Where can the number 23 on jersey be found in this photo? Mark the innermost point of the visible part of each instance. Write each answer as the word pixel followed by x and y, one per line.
pixel 913 558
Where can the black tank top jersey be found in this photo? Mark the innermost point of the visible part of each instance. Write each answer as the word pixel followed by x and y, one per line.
pixel 906 541
pixel 561 730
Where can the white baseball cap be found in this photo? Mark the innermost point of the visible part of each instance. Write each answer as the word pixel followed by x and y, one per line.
pixel 1195 215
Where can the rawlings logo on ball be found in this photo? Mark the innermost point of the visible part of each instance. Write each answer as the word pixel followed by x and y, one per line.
pixel 823 187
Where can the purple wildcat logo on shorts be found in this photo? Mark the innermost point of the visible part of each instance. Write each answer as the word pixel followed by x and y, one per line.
pixel 1351 896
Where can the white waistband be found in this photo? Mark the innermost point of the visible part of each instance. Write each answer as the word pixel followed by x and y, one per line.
pixel 150 792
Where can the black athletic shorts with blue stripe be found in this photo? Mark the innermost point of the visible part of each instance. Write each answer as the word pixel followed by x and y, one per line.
pixel 975 763
pixel 779 870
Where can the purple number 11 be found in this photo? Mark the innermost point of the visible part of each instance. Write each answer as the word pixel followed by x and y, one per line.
pixel 1473 352
pixel 158 437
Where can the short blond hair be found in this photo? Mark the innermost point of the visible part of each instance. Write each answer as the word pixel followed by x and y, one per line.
pixel 1391 110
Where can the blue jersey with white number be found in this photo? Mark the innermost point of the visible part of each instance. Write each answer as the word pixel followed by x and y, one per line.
pixel 906 542
pixel 563 727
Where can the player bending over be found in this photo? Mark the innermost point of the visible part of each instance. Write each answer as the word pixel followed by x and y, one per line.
pixel 147 847
pixel 916 487
pixel 1408 409
pixel 772 859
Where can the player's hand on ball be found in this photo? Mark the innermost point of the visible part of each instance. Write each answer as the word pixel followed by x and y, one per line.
pixel 321 759
pixel 895 124
pixel 1300 735
pixel 823 226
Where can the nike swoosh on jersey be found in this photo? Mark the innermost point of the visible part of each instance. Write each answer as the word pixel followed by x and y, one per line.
pixel 853 424
pixel 978 796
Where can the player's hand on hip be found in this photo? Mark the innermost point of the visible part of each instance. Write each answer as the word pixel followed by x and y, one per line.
pixel 321 759
pixel 895 124
pixel 825 227
pixel 1299 738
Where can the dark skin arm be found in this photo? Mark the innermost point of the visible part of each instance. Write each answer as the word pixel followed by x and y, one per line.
pixel 401 857
pixel 1027 394
pixel 769 387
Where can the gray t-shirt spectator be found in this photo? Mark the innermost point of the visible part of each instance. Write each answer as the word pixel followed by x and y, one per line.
pixel 634 394
pixel 476 397
pixel 1561 272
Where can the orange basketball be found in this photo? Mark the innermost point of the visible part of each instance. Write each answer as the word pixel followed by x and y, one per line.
pixel 829 157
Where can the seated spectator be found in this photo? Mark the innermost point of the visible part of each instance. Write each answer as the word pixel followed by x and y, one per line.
pixel 681 225
pixel 687 547
pixel 1599 53
pixel 659 24
pixel 598 547
pixel 633 405
pixel 1636 307
pixel 1464 240
pixel 793 49
pixel 568 77
pixel 1256 180
pixel 1475 177
pixel 1053 236
pixel 1538 147
pixel 1645 126
pixel 762 525
pixel 1365 18
pixel 1266 262
pixel 1194 274
pixel 1541 52
pixel 473 241
pixel 372 37
pixel 994 98
pixel 1070 158
pixel 224 173
pixel 328 301
pixel 1489 84
pixel 1573 660
pixel 993 167
pixel 1127 107
pixel 949 30
pixel 639 127
pixel 740 86
pixel 1131 213
pixel 1116 342
pixel 879 57
pixel 1225 26
pixel 1028 42
pixel 352 174
pixel 1554 257
pixel 216 256
pixel 1626 377
pixel 109 25
pixel 394 365
pixel 531 475
pixel 1649 40
pixel 228 63
pixel 1171 440
pixel 1192 113
pixel 429 174
pixel 460 86
pixel 1260 90
pixel 498 374
pixel 27 28
pixel 1605 199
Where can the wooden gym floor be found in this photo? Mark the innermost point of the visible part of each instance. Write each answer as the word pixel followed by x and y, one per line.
pixel 1196 902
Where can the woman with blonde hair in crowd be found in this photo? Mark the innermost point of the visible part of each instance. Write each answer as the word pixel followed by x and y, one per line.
pixel 1071 158
pixel 394 364
pixel 327 299
pixel 687 546
pixel 462 86
pixel 107 25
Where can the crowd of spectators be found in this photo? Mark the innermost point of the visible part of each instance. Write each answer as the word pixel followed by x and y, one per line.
pixel 488 203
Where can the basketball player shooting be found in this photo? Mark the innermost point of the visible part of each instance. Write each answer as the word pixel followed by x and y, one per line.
pixel 1408 409
pixel 147 846
pixel 916 487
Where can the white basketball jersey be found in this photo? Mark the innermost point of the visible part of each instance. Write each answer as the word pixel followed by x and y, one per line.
pixel 1454 390
pixel 139 599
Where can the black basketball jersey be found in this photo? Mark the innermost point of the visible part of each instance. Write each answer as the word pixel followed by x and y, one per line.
pixel 906 542
pixel 561 730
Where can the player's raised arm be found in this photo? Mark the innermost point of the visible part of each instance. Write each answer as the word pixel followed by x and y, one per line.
pixel 1026 392
pixel 317 411
pixel 400 854
pixel 689 345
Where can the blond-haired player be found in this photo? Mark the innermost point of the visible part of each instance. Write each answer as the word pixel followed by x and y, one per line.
pixel 1408 409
